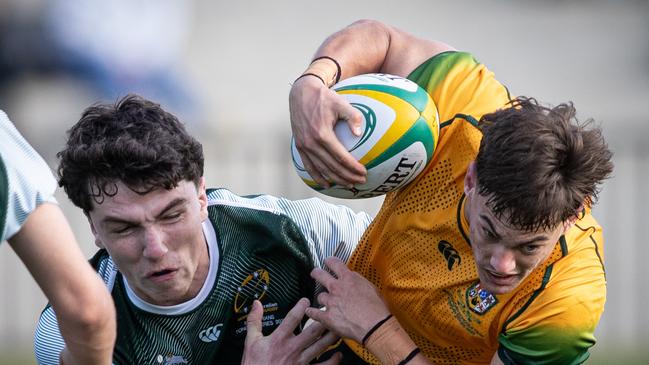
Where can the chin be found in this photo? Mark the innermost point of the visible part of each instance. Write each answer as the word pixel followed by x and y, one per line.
pixel 497 288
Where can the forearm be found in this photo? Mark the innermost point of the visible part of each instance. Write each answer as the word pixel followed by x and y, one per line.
pixel 390 343
pixel 89 337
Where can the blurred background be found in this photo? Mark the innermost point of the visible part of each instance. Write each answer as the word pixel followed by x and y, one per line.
pixel 225 68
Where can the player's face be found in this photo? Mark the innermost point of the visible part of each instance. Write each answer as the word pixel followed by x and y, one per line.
pixel 156 240
pixel 504 256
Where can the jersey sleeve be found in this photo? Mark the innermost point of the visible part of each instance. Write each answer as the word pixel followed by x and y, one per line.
pixel 460 86
pixel 557 325
pixel 25 179
pixel 48 342
pixel 330 230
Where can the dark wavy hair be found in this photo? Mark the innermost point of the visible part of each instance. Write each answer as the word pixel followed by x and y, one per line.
pixel 133 141
pixel 538 165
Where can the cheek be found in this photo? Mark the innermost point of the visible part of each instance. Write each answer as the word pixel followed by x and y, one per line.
pixel 123 250
pixel 529 263
pixel 481 253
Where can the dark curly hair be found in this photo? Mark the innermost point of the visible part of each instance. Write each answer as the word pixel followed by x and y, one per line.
pixel 133 141
pixel 538 165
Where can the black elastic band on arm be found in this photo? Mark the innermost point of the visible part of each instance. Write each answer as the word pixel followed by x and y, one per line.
pixel 373 329
pixel 338 69
pixel 410 356
pixel 311 74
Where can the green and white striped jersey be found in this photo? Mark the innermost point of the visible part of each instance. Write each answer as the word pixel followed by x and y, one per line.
pixel 25 179
pixel 260 247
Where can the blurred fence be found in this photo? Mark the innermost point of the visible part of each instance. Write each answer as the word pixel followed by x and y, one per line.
pixel 257 161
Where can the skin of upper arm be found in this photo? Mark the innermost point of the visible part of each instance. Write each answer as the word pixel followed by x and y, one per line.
pixel 406 52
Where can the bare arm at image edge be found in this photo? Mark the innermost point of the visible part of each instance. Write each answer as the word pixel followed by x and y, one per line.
pixel 363 47
pixel 83 306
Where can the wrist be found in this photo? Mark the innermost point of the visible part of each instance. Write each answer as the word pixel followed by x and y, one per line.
pixel 390 343
pixel 325 68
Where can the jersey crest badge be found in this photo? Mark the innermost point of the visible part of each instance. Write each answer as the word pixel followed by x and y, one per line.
pixel 479 300
pixel 253 287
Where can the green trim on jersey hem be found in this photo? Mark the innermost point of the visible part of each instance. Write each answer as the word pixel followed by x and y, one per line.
pixel 598 255
pixel 467 117
pixel 4 196
pixel 544 282
pixel 459 220
pixel 504 356
pixel 596 247
pixel 564 246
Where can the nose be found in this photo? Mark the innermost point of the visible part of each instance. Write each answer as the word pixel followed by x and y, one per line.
pixel 154 246
pixel 503 261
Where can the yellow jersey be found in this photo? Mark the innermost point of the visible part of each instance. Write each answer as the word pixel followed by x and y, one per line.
pixel 417 251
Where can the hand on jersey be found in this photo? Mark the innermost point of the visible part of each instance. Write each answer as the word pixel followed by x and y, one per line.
pixel 282 347
pixel 353 304
pixel 315 109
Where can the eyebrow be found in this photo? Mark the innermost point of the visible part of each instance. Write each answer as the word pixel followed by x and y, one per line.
pixel 118 220
pixel 517 244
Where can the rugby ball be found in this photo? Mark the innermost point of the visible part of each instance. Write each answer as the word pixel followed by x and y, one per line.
pixel 400 132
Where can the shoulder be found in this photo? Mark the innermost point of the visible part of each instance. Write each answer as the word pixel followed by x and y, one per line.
pixel 300 210
pixel 460 85
pixel 557 323
pixel 105 267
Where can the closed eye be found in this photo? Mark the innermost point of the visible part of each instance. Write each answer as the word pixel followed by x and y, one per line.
pixel 122 229
pixel 172 217
pixel 530 249
pixel 489 234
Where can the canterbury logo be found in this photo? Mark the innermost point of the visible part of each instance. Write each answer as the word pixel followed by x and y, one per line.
pixel 210 334
pixel 449 253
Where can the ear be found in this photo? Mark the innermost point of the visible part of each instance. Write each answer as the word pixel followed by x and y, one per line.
pixel 470 179
pixel 571 221
pixel 202 198
pixel 98 242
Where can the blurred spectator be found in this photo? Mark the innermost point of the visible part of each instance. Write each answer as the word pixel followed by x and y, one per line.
pixel 115 47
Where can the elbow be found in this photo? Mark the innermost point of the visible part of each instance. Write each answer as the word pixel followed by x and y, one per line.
pixel 368 23
pixel 92 316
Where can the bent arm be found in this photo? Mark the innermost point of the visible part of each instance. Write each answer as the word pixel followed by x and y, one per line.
pixel 363 47
pixel 83 306
pixel 371 46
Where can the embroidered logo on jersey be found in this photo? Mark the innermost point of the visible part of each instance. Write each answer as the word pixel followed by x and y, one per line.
pixel 456 300
pixel 480 300
pixel 449 253
pixel 253 287
pixel 171 360
pixel 210 334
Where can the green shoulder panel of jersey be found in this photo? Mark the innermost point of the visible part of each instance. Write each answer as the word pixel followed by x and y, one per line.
pixel 541 346
pixel 432 72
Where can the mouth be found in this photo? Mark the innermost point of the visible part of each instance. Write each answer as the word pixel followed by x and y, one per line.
pixel 501 279
pixel 161 275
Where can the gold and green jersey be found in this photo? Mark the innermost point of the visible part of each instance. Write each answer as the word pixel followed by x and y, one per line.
pixel 260 247
pixel 418 254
